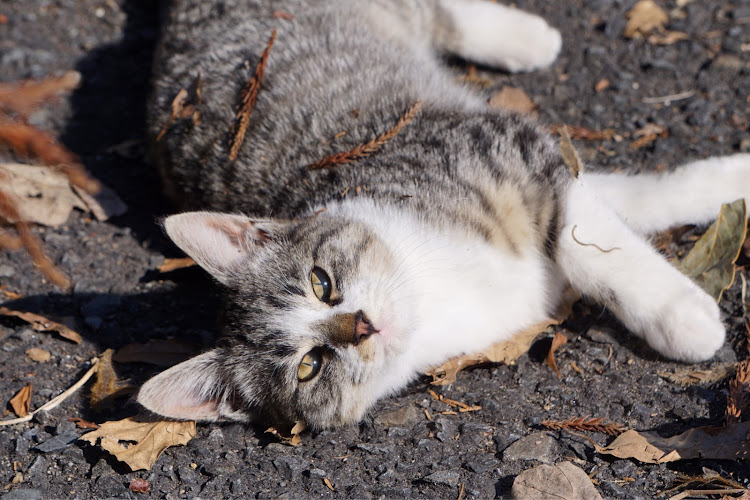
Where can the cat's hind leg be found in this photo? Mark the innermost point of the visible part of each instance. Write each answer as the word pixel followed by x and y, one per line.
pixel 602 258
pixel 692 194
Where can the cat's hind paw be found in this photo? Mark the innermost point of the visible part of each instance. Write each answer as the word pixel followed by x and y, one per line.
pixel 689 327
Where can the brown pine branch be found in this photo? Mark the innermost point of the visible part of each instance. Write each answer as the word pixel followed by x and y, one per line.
pixel 739 393
pixel 368 148
pixel 595 424
pixel 248 97
pixel 25 96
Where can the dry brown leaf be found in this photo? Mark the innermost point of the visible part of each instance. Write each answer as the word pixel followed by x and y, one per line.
pixel 643 18
pixel 584 134
pixel 688 375
pixel 293 439
pixel 38 355
pixel 21 401
pixel 42 324
pixel 503 352
pixel 170 265
pixel 601 85
pixel 711 260
pixel 166 352
pixel 83 424
pixel 513 99
pixel 558 340
pixel 569 154
pixel 667 37
pixel 731 442
pixel 103 204
pixel 41 194
pixel 738 401
pixel 647 135
pixel 563 481
pixel 107 387
pixel 23 97
pixel 184 105
pixel 150 438
pixel 327 482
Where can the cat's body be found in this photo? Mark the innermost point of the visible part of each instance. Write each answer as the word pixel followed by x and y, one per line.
pixel 460 230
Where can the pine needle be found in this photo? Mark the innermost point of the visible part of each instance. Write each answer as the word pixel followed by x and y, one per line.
pixel 248 97
pixel 739 393
pixel 368 148
pixel 594 424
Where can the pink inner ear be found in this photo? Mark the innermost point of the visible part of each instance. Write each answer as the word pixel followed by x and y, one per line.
pixel 206 411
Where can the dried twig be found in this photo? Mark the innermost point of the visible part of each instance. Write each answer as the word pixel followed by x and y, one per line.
pixel 462 407
pixel 248 96
pixel 368 148
pixel 55 402
pixel 739 393
pixel 595 424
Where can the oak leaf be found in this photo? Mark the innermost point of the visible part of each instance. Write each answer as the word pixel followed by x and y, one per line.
pixel 150 439
pixel 563 481
pixel 710 263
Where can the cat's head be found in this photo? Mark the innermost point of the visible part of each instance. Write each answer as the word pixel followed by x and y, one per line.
pixel 314 328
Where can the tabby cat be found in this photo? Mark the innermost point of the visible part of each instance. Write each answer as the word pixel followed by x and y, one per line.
pixel 344 282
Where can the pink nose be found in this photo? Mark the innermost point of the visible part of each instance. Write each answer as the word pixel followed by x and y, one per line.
pixel 362 327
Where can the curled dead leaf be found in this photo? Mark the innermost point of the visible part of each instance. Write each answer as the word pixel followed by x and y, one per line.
pixel 21 401
pixel 107 387
pixel 643 18
pixel 170 265
pixel 558 340
pixel 83 424
pixel 150 439
pixel 710 263
pixel 42 324
pixel 731 442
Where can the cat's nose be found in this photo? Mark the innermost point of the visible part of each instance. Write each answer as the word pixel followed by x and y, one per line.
pixel 362 327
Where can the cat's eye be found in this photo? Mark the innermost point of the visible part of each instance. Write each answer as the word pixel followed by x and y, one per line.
pixel 310 365
pixel 321 284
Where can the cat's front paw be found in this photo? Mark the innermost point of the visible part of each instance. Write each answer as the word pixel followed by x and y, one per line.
pixel 689 327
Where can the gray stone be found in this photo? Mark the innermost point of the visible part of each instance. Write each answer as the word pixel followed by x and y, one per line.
pixel 601 335
pixel 481 466
pixel 447 477
pixel 375 449
pixel 623 468
pixel 6 271
pixel 446 429
pixel 59 442
pixel 539 446
pixel 25 494
pixel 289 467
pixel 398 416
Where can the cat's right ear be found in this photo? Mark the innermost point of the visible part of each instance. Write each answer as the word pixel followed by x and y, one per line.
pixel 216 241
pixel 191 390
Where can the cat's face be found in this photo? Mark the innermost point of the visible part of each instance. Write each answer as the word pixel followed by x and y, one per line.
pixel 314 326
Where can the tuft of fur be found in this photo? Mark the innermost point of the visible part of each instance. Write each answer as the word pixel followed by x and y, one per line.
pixel 455 234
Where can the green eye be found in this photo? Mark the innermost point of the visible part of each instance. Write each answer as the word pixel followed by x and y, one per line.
pixel 310 365
pixel 321 284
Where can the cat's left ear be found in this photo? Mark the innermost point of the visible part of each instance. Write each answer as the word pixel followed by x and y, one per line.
pixel 216 241
pixel 191 390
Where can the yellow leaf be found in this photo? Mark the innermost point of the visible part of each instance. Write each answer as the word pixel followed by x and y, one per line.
pixel 711 261
pixel 643 18
pixel 150 438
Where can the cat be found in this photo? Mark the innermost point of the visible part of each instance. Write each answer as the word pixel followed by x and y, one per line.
pixel 343 283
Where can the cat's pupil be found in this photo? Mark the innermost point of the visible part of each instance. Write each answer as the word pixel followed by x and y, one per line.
pixel 321 284
pixel 310 365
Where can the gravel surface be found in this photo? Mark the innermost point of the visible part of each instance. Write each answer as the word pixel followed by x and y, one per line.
pixel 119 298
